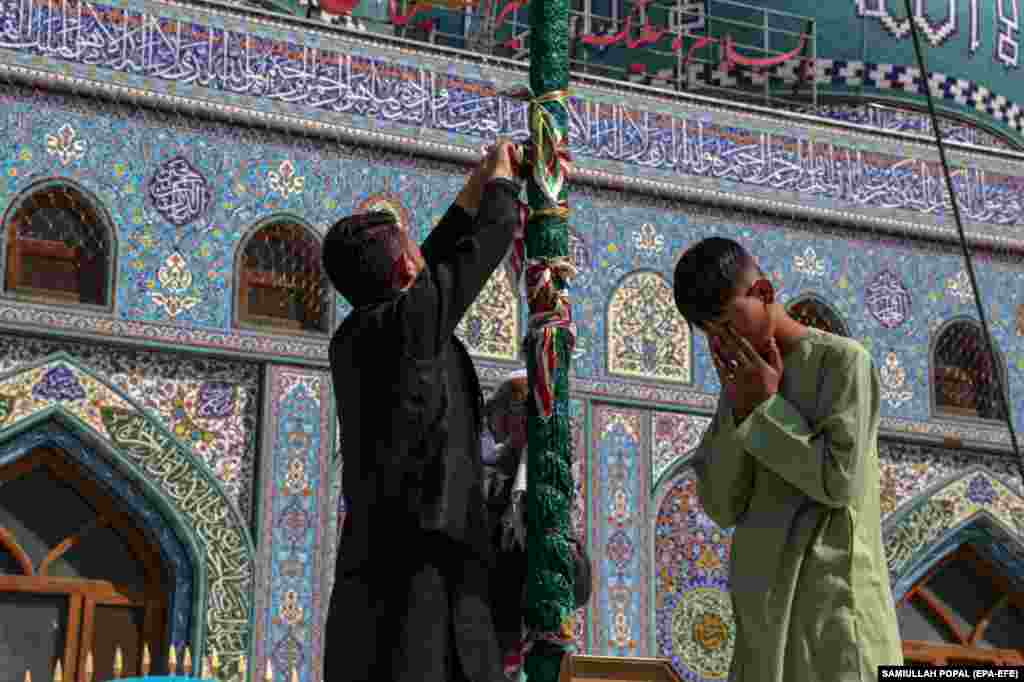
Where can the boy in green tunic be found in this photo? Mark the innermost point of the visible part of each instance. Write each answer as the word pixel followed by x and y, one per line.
pixel 791 460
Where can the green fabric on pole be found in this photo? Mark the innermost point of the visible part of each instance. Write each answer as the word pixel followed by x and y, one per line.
pixel 549 496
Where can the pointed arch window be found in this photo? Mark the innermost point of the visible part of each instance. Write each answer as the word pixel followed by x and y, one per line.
pixel 813 312
pixel 281 282
pixel 77 578
pixel 967 379
pixel 963 612
pixel 59 248
pixel 646 337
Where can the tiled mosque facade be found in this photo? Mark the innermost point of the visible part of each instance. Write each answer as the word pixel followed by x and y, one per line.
pixel 222 437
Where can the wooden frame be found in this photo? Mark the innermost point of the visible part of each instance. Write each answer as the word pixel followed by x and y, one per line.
pixel 248 277
pixel 256 279
pixel 966 650
pixel 84 595
pixel 22 247
pixel 617 669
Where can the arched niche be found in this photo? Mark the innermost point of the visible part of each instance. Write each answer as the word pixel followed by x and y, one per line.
pixel 969 527
pixel 646 336
pixel 967 608
pixel 966 381
pixel 140 450
pixel 812 310
pixel 490 327
pixel 175 549
pixel 280 283
pixel 60 246
pixel 106 572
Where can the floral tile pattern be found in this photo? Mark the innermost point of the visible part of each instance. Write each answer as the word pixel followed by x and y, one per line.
pixel 618 500
pixel 209 404
pixel 187 485
pixel 296 495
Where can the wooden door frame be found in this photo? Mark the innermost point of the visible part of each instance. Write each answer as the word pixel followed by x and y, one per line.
pixel 85 595
pixel 967 648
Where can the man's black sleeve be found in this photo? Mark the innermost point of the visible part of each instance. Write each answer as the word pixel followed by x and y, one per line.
pixel 462 274
pixel 462 257
pixel 456 224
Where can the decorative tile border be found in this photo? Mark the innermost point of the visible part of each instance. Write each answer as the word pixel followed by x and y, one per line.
pixel 580 520
pixel 971 435
pixel 147 450
pixel 841 73
pixel 160 49
pixel 901 120
pixel 256 346
pixel 296 498
pixel 618 500
pixel 912 535
pixel 270 348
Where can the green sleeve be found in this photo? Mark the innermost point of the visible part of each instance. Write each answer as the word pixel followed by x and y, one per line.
pixel 823 459
pixel 725 473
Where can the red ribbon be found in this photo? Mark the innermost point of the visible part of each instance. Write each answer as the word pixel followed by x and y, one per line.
pixel 514 660
pixel 550 312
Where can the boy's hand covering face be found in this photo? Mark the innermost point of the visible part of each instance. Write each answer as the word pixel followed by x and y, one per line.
pixel 747 378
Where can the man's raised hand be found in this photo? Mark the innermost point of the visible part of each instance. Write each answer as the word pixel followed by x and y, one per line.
pixel 498 162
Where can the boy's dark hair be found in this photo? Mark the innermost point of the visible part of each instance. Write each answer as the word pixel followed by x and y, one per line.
pixel 706 276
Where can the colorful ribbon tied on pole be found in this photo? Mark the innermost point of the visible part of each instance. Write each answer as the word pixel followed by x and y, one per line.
pixel 547 160
pixel 550 150
pixel 550 311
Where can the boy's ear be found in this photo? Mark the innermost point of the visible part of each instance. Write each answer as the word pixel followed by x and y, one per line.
pixel 764 290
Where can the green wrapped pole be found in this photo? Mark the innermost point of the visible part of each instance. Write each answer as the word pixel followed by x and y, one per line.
pixel 550 609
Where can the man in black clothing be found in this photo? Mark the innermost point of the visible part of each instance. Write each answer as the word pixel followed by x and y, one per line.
pixel 410 600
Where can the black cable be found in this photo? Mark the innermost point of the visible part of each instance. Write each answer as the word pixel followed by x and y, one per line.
pixel 996 366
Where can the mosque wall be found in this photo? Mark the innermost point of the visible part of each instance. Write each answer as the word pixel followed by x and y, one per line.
pixel 251 413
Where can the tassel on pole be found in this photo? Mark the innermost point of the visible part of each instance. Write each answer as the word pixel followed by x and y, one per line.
pixel 118 663
pixel 58 672
pixel 147 660
pixel 268 676
pixel 295 674
pixel 187 663
pixel 243 667
pixel 90 668
pixel 205 673
pixel 214 662
pixel 172 661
